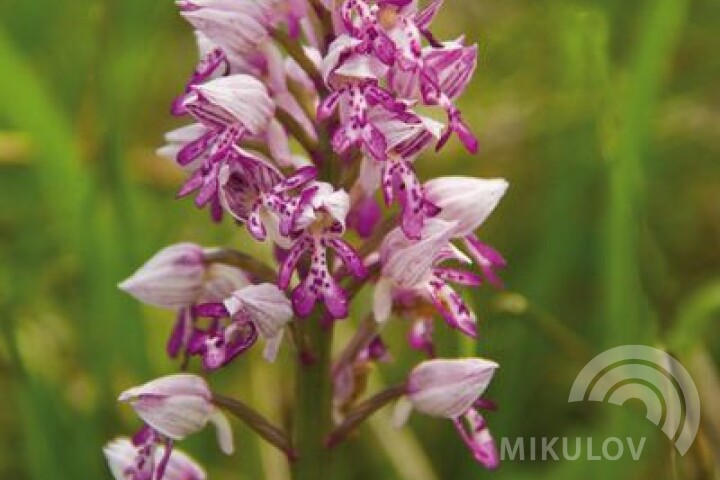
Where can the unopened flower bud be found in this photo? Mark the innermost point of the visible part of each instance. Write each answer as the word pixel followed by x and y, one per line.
pixel 449 388
pixel 172 278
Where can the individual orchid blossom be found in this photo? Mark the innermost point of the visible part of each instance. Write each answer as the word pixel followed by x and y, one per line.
pixel 304 116
pixel 137 461
pixel 229 108
pixel 469 201
pixel 448 388
pixel 268 308
pixel 320 217
pixel 414 267
pixel 256 193
pixel 177 278
pixel 452 389
pixel 176 406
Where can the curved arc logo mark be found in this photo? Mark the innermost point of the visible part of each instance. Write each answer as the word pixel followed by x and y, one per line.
pixel 650 375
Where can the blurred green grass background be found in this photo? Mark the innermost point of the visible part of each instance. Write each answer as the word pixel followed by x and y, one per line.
pixel 604 116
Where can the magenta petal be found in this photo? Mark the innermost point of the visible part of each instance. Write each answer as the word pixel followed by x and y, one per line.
pixel 336 300
pixel 424 18
pixel 303 300
pixel 349 257
pixel 466 136
pixel 376 143
pixel 290 263
pixel 163 463
pixel 212 310
pixel 180 333
pixel 255 226
pixel 298 179
pixel 384 48
pixel 453 308
pixel 191 184
pixel 487 258
pixel 328 106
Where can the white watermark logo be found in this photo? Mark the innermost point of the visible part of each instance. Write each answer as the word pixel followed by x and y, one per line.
pixel 651 376
pixel 556 448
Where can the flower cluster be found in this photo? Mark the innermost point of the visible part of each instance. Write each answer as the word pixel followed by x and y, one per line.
pixel 302 114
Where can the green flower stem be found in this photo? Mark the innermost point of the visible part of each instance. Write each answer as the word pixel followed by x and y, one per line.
pixel 361 412
pixel 257 423
pixel 252 265
pixel 313 402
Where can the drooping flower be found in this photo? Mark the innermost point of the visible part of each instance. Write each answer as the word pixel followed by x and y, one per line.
pixel 177 278
pixel 258 194
pixel 473 429
pixel 413 266
pixel 320 221
pixel 130 461
pixel 229 109
pixel 469 202
pixel 172 278
pixel 179 405
pixel 236 323
pixel 452 389
pixel 268 308
pixel 448 388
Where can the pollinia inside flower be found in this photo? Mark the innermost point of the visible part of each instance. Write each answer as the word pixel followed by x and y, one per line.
pixel 304 123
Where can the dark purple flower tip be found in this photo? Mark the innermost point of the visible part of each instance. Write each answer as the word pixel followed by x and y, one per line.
pixel 211 310
pixel 365 216
pixel 395 3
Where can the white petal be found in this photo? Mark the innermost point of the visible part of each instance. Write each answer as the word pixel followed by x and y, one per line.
pixel 172 278
pixel 448 388
pixel 468 201
pixel 408 262
pixel 224 432
pixel 382 300
pixel 402 411
pixel 175 417
pixel 120 454
pixel 272 347
pixel 266 304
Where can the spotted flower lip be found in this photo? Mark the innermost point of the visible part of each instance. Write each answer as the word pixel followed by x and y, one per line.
pixel 474 431
pixel 121 457
pixel 321 217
